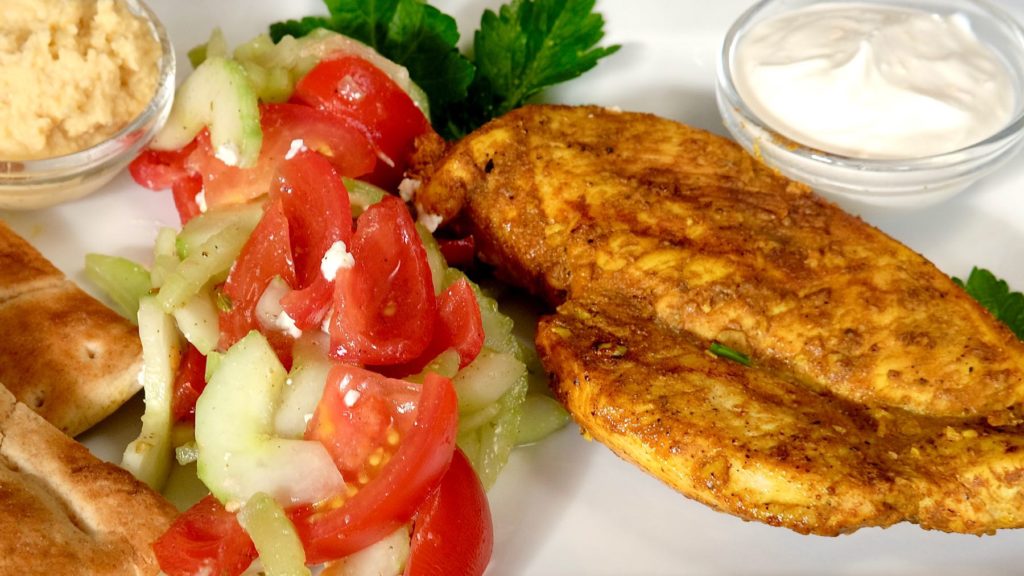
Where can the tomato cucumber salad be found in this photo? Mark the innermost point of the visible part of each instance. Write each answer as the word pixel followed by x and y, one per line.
pixel 342 390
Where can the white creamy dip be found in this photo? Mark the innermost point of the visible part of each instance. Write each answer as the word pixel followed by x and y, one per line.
pixel 872 81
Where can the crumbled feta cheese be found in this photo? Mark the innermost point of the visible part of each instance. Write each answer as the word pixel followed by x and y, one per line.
pixel 201 201
pixel 429 221
pixel 227 154
pixel 286 324
pixel 336 258
pixel 297 145
pixel 407 188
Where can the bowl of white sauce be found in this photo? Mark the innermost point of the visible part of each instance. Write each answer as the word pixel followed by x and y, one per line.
pixel 894 103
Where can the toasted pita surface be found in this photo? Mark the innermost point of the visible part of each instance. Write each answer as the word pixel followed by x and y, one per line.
pixel 63 511
pixel 22 267
pixel 62 352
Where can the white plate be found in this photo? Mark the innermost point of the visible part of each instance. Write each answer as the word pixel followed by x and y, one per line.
pixel 568 506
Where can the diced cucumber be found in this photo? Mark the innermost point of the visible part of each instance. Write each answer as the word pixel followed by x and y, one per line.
pixel 199 322
pixel 148 457
pixel 165 258
pixel 435 260
pixel 485 380
pixel 362 195
pixel 386 557
pixel 215 47
pixel 217 95
pixel 304 386
pixel 202 227
pixel 542 416
pixel 124 281
pixel 212 258
pixel 238 453
pixel 445 364
pixel 274 535
pixel 489 445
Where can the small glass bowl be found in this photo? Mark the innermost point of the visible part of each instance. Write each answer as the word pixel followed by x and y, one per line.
pixel 861 184
pixel 32 184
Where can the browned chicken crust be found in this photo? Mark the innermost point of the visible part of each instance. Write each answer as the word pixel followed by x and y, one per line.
pixel 876 382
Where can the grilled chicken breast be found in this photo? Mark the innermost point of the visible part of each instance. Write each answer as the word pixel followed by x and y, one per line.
pixel 878 391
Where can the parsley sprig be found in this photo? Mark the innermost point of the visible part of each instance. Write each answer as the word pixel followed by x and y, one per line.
pixel 995 295
pixel 518 51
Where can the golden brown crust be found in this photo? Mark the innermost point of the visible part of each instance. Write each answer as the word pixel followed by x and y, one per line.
pixel 22 268
pixel 876 383
pixel 629 207
pixel 66 512
pixel 67 356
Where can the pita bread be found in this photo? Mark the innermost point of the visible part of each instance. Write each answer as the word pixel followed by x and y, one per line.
pixel 62 352
pixel 63 511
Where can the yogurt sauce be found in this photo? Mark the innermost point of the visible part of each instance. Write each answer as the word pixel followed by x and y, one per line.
pixel 872 81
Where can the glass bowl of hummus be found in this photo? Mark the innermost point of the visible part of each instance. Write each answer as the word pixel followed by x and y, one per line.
pixel 85 87
pixel 876 104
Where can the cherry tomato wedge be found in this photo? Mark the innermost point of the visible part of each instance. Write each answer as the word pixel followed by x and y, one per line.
pixel 458 326
pixel 453 534
pixel 319 215
pixel 416 461
pixel 205 539
pixel 350 87
pixel 265 255
pixel 458 252
pixel 189 383
pixel 159 170
pixel 284 126
pixel 384 306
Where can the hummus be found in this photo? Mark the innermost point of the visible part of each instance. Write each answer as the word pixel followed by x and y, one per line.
pixel 72 73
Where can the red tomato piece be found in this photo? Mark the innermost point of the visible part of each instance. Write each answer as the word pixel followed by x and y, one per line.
pixel 159 170
pixel 458 252
pixel 265 255
pixel 412 462
pixel 384 306
pixel 319 214
pixel 453 534
pixel 458 326
pixel 343 143
pixel 350 87
pixel 189 383
pixel 205 539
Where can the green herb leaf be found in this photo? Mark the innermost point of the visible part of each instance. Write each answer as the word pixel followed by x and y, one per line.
pixel 723 351
pixel 532 44
pixel 995 295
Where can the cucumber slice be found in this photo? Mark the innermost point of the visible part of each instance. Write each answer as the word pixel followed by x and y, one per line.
pixel 124 281
pixel 165 259
pixel 217 95
pixel 274 535
pixel 199 322
pixel 304 386
pixel 202 227
pixel 209 261
pixel 542 416
pixel 148 457
pixel 487 379
pixel 362 195
pixel 387 556
pixel 238 453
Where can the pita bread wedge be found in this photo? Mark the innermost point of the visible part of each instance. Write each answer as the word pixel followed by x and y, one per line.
pixel 62 352
pixel 63 511
pixel 22 267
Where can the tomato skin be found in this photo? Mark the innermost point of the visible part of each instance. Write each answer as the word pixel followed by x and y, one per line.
pixel 350 87
pixel 265 255
pixel 319 214
pixel 160 169
pixel 343 142
pixel 205 539
pixel 384 306
pixel 189 383
pixel 400 487
pixel 453 534
pixel 458 252
pixel 458 326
